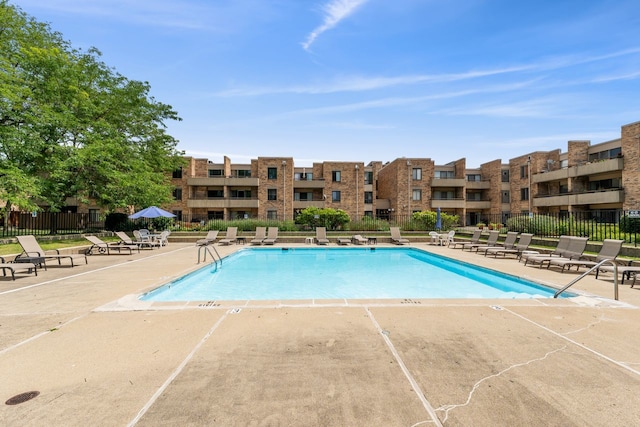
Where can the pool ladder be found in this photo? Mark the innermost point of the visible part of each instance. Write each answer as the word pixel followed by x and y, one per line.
pixel 206 250
pixel 595 267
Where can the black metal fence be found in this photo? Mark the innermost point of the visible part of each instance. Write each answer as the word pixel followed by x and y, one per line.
pixel 597 225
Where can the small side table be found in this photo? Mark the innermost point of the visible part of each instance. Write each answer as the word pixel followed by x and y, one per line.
pixel 372 240
pixel 308 240
pixel 241 240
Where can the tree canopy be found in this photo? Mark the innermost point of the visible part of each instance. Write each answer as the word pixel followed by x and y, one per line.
pixel 70 126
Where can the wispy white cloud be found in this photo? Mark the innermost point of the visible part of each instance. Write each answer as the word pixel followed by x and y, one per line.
pixel 334 12
pixel 360 83
pixel 400 101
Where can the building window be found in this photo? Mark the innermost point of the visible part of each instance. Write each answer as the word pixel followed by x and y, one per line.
pixel 505 176
pixel 177 194
pixel 272 173
pixel 506 197
pixel 443 195
pixel 474 177
pixel 524 193
pixel 240 194
pixel 335 196
pixel 524 171
pixel 444 174
pixel 241 173
pixel 215 194
pixel 215 172
pixel 368 197
pixel 417 194
pixel 335 176
pixel 177 173
pixel 272 194
pixel 368 177
pixel 417 174
pixel 272 214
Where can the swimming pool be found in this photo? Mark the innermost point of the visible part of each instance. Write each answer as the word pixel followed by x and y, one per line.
pixel 342 273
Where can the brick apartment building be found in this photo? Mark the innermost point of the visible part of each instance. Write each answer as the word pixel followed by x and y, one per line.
pixel 602 179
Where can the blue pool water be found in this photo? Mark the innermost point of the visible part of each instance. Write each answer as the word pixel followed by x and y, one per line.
pixel 342 273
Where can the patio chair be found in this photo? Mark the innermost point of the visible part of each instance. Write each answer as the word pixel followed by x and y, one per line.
pixel 610 250
pixel 343 241
pixel 517 250
pixel 534 256
pixel 261 234
pixel 230 237
pixel 209 239
pixel 396 238
pixel 162 238
pixel 32 252
pixel 434 237
pixel 105 248
pixel 509 243
pixel 17 268
pixel 625 270
pixel 321 236
pixel 447 239
pixel 491 241
pixel 358 240
pixel 272 236
pixel 475 238
pixel 144 239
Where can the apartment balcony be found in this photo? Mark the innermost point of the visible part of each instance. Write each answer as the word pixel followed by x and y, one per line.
pixel 586 169
pixel 301 204
pixel 448 182
pixel 615 195
pixel 478 185
pixel 448 203
pixel 221 181
pixel 478 204
pixel 220 202
pixel 303 183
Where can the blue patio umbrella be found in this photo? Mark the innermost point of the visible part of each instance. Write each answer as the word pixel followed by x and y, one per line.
pixel 438 219
pixel 151 212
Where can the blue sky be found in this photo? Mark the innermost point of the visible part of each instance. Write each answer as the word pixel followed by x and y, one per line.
pixel 364 80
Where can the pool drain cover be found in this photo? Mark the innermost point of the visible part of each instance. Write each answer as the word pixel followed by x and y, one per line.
pixel 21 398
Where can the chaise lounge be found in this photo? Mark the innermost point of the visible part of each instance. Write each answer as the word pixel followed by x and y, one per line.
pixel 102 247
pixel 396 238
pixel 272 236
pixel 32 250
pixel 230 237
pixel 321 236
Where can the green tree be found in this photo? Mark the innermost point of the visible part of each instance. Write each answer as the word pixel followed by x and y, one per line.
pixel 70 126
pixel 333 219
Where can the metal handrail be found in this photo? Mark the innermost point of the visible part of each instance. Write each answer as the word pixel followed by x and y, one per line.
pixel 207 250
pixel 598 265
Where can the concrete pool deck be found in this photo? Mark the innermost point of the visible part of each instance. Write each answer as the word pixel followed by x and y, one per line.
pixel 76 336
